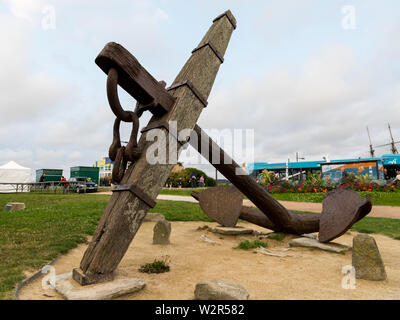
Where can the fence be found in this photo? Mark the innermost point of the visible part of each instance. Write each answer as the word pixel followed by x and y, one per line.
pixel 48 187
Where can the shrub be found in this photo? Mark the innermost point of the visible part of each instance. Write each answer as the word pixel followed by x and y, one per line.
pixel 267 177
pixel 278 236
pixel 363 179
pixel 349 177
pixel 185 176
pixel 246 245
pixel 157 266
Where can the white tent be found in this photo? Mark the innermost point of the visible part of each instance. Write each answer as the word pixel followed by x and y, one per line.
pixel 13 173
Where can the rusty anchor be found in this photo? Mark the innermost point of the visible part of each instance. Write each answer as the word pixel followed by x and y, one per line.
pixel 340 210
pixel 140 184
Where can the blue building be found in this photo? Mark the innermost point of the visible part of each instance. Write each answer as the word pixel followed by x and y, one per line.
pixel 379 168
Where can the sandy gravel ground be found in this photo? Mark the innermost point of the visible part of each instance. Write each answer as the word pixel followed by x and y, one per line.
pixel 310 274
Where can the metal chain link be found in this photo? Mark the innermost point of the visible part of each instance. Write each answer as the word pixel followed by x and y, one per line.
pixel 121 155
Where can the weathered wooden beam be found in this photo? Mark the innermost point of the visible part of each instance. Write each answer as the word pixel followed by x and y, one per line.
pixel 125 211
pixel 256 216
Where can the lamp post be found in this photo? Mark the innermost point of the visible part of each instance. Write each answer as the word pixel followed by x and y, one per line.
pixel 297 157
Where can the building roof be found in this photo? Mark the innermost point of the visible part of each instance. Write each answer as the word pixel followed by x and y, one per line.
pixel 387 159
pixel 12 165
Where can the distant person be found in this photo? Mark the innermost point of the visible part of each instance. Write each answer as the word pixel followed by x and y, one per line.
pixel 193 180
pixel 398 175
pixel 65 185
pixel 201 182
pixel 386 174
pixel 168 184
pixel 41 180
pixel 179 183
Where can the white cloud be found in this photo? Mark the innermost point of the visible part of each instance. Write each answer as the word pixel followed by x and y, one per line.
pixel 21 156
pixel 323 108
pixel 317 106
pixel 24 94
pixel 25 9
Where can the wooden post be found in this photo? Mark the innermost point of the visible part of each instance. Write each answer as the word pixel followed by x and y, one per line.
pixel 125 211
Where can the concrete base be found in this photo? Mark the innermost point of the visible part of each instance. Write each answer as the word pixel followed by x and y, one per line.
pixel 71 290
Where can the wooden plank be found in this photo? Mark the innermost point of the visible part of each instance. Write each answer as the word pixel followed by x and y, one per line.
pixel 125 212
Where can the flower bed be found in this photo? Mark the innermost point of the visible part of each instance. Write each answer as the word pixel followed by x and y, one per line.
pixel 284 186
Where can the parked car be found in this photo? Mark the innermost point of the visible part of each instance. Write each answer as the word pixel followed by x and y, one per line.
pixel 81 185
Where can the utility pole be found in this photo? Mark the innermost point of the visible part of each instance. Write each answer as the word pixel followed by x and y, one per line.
pixel 297 157
pixel 392 143
pixel 287 169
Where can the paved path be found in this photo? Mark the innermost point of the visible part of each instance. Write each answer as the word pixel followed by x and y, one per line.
pixel 377 211
pixel 176 198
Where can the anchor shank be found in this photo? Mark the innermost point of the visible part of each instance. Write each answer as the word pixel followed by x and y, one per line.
pixel 282 219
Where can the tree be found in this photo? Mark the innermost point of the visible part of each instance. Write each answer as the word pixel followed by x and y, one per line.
pixel 186 174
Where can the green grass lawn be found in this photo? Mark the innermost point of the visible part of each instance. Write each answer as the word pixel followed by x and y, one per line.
pixel 378 198
pixel 52 224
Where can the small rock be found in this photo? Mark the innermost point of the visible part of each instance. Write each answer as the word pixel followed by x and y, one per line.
pixel 205 239
pixel 312 243
pixel 272 253
pixel 366 259
pixel 205 227
pixel 102 291
pixel 310 235
pixel 161 230
pixel 231 231
pixel 220 290
pixel 261 233
pixel 153 216
pixel 11 206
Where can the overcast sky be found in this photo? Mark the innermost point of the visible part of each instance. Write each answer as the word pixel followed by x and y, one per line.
pixel 303 74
